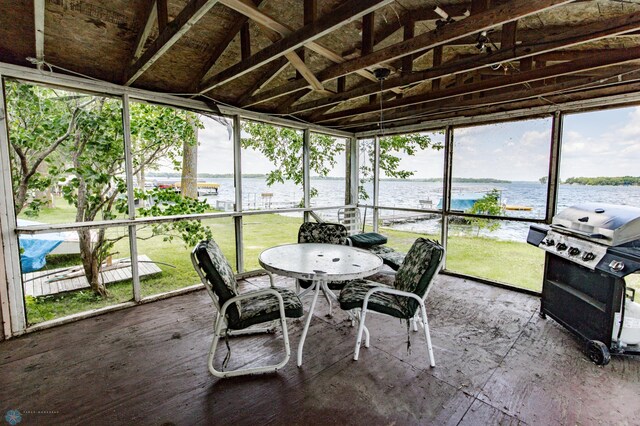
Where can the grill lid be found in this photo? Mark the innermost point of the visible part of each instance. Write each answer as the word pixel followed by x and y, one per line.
pixel 607 224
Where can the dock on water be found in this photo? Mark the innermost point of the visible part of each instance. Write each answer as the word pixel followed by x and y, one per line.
pixel 54 281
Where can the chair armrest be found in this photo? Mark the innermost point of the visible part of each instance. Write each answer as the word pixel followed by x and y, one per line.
pixel 271 279
pixel 252 294
pixel 389 290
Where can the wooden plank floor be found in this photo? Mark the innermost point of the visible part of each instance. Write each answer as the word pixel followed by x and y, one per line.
pixel 37 283
pixel 497 363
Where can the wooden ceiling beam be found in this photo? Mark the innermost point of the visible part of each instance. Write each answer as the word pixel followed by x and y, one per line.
pixel 192 12
pixel 163 15
pixel 571 37
pixel 38 17
pixel 272 70
pixel 484 20
pixel 245 41
pixel 274 31
pixel 343 14
pixel 220 47
pixel 368 23
pixel 614 57
pixel 557 93
pixel 151 14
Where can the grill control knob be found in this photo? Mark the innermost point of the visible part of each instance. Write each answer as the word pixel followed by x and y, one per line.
pixel 549 242
pixel 616 265
pixel 561 246
pixel 574 251
pixel 588 256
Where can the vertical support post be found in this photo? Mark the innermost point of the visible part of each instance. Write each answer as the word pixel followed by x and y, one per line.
pixel 237 182
pixel 306 175
pixel 376 181
pixel 11 291
pixel 128 165
pixel 554 165
pixel 446 187
pixel 353 172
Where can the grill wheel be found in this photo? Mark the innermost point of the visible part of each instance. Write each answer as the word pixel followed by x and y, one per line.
pixel 598 352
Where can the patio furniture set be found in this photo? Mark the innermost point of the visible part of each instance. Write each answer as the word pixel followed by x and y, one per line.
pixel 323 260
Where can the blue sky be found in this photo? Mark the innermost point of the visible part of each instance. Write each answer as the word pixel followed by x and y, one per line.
pixel 602 143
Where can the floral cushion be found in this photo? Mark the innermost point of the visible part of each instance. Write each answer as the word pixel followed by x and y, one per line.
pixel 219 275
pixel 419 265
pixel 327 233
pixel 352 297
pixel 256 310
pixel 414 276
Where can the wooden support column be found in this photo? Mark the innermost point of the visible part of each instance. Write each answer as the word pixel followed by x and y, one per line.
pixel 306 173
pixel 11 290
pixel 376 182
pixel 128 162
pixel 446 187
pixel 38 13
pixel 237 183
pixel 554 166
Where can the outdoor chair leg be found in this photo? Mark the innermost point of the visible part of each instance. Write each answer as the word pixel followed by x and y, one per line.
pixel 427 335
pixel 361 328
pixel 414 322
pixel 255 370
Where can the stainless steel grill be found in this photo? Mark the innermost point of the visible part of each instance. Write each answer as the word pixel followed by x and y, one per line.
pixel 590 248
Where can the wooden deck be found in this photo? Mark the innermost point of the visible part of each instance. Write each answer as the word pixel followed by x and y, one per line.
pixel 43 283
pixel 497 361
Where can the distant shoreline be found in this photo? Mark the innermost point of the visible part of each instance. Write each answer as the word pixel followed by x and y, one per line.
pixel 604 181
pixel 230 175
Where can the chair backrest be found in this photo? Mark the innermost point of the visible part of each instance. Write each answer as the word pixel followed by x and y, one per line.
pixel 350 218
pixel 325 232
pixel 418 269
pixel 217 276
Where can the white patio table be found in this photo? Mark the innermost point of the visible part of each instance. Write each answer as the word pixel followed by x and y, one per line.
pixel 319 263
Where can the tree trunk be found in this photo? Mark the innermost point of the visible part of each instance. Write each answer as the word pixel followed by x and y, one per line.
pixel 141 185
pixel 91 262
pixel 189 181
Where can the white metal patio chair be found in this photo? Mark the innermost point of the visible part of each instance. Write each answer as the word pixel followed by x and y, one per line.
pixel 237 312
pixel 411 285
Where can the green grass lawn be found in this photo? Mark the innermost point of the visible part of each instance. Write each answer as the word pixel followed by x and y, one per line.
pixel 514 263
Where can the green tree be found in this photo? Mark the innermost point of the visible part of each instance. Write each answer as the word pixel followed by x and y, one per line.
pixel 283 147
pixel 81 139
pixel 488 205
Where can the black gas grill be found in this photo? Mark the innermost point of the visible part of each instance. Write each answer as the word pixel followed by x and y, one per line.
pixel 590 248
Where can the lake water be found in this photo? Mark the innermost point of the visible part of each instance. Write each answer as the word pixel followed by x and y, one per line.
pixel 413 194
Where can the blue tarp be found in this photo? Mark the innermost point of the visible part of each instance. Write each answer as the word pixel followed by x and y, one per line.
pixel 461 204
pixel 34 248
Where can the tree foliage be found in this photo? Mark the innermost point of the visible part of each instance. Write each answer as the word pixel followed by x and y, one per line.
pixel 80 137
pixel 488 205
pixel 605 180
pixel 283 147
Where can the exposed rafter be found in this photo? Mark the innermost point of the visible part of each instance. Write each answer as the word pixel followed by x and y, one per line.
pixel 571 37
pixel 345 13
pixel 613 57
pixel 192 12
pixel 552 95
pixel 220 48
pixel 460 29
pixel 151 17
